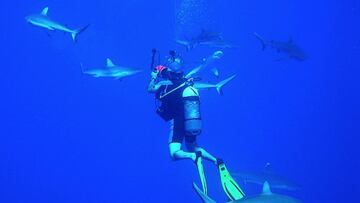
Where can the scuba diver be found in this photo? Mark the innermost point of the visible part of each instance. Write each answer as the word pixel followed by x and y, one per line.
pixel 180 107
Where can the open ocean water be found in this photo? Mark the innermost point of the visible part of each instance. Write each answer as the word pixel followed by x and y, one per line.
pixel 68 137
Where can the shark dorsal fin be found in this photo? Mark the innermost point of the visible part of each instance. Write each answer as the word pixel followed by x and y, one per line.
pixel 109 63
pixel 45 11
pixel 266 189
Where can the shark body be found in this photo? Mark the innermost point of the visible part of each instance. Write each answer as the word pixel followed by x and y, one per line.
pixel 259 177
pixel 288 47
pixel 43 20
pixel 206 63
pixel 218 86
pixel 275 181
pixel 212 39
pixel 203 85
pixel 265 197
pixel 112 71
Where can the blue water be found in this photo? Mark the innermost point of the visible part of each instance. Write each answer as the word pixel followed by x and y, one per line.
pixel 68 137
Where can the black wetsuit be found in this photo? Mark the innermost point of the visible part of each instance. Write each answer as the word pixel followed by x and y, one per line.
pixel 172 107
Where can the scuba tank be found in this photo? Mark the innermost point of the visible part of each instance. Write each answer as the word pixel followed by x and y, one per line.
pixel 192 115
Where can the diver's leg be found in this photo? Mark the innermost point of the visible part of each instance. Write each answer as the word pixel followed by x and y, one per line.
pixel 177 153
pixel 175 140
pixel 193 146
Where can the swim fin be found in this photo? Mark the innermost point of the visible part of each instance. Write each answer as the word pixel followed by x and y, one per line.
pixel 200 168
pixel 231 188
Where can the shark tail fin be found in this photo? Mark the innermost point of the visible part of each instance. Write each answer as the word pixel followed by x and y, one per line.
pixel 221 84
pixel 189 46
pixel 203 196
pixel 189 43
pixel 262 40
pixel 76 32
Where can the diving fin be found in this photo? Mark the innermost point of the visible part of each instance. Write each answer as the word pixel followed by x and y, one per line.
pixel 231 188
pixel 200 168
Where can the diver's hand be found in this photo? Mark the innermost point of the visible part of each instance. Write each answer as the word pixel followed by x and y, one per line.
pixel 154 74
pixel 152 87
pixel 190 82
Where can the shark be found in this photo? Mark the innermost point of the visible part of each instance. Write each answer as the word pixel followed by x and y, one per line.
pixel 207 38
pixel 267 196
pixel 288 47
pixel 218 86
pixel 43 20
pixel 111 71
pixel 203 85
pixel 259 177
pixel 205 63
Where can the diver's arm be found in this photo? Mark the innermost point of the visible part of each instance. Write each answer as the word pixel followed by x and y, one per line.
pixel 152 87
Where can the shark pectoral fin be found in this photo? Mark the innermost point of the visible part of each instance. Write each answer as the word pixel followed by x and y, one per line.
pixel 202 195
pixel 45 11
pixel 215 71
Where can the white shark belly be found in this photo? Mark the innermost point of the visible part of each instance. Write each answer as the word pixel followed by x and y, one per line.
pixel 203 86
pixel 43 25
pixel 61 28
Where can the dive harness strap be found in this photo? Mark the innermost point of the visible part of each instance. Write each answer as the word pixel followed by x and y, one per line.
pixel 200 169
pixel 188 82
pixel 173 90
pixel 231 188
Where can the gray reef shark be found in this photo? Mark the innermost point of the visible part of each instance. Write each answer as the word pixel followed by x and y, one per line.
pixel 111 71
pixel 42 20
pixel 288 47
pixel 202 85
pixel 265 197
pixel 260 177
pixel 212 39
pixel 206 62
pixel 217 86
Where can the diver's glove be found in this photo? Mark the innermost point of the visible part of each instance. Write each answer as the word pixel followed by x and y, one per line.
pixel 190 82
pixel 154 74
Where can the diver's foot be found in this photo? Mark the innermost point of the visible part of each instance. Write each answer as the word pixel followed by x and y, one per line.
pixel 219 161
